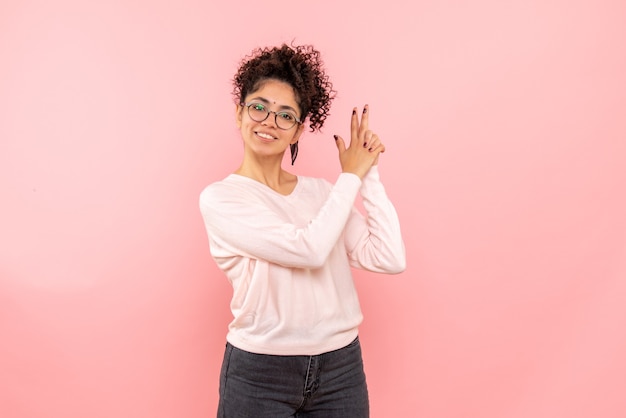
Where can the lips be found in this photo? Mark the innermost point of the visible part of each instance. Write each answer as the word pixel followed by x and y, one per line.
pixel 265 136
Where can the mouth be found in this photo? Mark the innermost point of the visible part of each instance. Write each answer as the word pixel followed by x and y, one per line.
pixel 265 137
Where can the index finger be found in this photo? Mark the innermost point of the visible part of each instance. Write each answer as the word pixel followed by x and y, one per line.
pixel 354 127
pixel 365 119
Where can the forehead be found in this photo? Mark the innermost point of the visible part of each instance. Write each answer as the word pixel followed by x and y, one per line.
pixel 275 92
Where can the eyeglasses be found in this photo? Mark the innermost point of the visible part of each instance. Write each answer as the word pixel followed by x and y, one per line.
pixel 259 112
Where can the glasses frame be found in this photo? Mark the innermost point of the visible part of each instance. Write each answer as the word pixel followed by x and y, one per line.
pixel 249 104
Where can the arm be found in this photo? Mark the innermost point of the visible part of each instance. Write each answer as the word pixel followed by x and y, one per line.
pixel 375 242
pixel 239 225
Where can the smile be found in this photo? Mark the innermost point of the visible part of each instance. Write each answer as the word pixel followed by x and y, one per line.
pixel 265 136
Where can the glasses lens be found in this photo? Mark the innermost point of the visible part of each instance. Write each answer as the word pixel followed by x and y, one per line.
pixel 285 120
pixel 258 112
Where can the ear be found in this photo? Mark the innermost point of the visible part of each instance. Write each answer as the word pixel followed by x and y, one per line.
pixel 297 134
pixel 238 115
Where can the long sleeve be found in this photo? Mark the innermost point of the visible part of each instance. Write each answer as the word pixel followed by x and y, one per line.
pixel 258 226
pixel 375 242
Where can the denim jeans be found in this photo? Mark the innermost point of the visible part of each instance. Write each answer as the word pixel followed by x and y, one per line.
pixel 329 385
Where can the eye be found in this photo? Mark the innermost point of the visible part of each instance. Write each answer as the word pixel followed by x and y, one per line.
pixel 258 106
pixel 287 116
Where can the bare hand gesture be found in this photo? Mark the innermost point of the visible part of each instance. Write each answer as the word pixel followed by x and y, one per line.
pixel 364 149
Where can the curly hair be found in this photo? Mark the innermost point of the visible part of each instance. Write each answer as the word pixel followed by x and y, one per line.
pixel 299 66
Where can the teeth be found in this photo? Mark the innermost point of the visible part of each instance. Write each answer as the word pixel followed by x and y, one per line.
pixel 266 136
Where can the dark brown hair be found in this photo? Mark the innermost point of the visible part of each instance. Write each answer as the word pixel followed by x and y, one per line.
pixel 299 66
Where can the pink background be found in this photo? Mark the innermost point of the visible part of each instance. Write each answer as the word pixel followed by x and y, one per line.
pixel 506 134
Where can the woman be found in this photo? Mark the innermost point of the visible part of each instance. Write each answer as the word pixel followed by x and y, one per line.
pixel 287 243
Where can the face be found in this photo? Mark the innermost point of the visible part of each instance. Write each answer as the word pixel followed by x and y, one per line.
pixel 265 138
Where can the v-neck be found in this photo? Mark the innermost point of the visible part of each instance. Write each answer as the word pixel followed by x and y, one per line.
pixel 264 186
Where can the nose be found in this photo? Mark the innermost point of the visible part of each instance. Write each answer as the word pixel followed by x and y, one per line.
pixel 270 120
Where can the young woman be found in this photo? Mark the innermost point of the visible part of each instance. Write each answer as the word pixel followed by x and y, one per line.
pixel 287 244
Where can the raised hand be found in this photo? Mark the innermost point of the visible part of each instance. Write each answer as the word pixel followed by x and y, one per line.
pixel 365 146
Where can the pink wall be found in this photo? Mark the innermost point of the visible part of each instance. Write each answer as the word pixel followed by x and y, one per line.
pixel 506 134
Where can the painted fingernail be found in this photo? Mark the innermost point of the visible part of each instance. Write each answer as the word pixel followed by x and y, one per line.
pixel 369 149
pixel 336 137
pixel 353 111
pixel 364 144
pixel 365 109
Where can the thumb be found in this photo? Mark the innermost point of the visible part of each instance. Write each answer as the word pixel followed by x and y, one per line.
pixel 341 146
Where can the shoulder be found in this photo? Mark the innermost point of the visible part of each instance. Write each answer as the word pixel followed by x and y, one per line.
pixel 227 189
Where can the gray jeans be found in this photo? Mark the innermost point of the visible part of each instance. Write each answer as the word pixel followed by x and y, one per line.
pixel 329 385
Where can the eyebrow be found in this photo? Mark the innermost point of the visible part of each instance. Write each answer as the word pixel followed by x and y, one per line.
pixel 264 100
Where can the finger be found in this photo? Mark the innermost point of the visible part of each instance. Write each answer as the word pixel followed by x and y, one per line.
pixel 368 137
pixel 375 146
pixel 341 146
pixel 375 143
pixel 377 151
pixel 365 119
pixel 354 127
pixel 380 148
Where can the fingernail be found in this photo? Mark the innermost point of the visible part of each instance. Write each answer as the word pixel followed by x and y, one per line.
pixel 364 144
pixel 336 137
pixel 369 149
pixel 365 109
pixel 354 111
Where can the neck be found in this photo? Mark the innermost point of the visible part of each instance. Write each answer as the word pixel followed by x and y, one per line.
pixel 266 170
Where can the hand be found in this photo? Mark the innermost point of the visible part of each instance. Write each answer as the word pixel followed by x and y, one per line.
pixel 364 149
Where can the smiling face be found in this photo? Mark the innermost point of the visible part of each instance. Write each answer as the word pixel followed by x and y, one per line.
pixel 266 139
